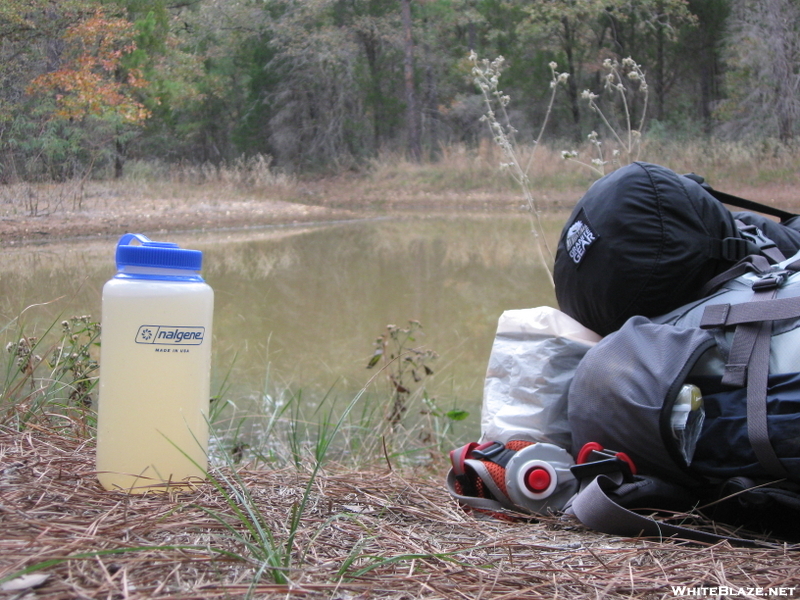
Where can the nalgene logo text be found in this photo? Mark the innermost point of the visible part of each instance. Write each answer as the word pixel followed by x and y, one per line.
pixel 171 336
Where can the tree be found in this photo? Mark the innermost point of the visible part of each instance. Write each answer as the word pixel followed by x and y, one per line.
pixel 763 52
pixel 32 33
pixel 649 32
pixel 585 32
pixel 318 115
pixel 328 83
pixel 375 27
pixel 192 55
pixel 698 67
pixel 569 24
pixel 412 111
pixel 91 82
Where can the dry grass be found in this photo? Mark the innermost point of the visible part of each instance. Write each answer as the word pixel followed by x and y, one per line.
pixel 470 178
pixel 155 196
pixel 365 534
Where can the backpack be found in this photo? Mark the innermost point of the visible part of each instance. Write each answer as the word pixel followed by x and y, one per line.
pixel 740 347
pixel 665 235
pixel 733 448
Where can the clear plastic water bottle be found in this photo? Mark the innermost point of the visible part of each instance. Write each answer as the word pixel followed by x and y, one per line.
pixel 155 365
pixel 687 420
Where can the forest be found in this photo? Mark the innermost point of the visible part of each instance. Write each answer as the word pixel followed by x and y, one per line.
pixel 90 87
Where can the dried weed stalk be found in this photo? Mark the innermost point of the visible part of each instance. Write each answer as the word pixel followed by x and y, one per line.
pixel 487 77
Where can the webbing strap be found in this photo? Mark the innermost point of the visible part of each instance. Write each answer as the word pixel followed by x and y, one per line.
pixel 482 472
pixel 765 245
pixel 597 510
pixel 746 204
pixel 774 309
pixel 469 465
pixel 740 359
pixel 774 254
pixel 741 353
pixel 484 504
pixel 748 361
pixel 752 263
pixel 458 458
pixel 757 427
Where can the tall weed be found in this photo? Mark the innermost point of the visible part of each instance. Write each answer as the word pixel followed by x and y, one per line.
pixel 616 113
pixel 486 76
pixel 49 379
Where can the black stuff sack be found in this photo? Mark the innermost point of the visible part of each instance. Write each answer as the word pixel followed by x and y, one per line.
pixel 644 240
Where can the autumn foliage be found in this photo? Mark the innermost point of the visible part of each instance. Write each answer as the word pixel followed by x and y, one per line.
pixel 87 86
pixel 92 79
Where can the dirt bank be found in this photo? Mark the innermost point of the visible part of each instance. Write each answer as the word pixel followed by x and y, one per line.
pixel 155 216
pixel 42 213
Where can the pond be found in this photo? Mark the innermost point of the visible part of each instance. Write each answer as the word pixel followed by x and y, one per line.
pixel 298 309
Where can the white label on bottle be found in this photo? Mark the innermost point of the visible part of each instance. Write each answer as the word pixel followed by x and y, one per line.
pixel 170 336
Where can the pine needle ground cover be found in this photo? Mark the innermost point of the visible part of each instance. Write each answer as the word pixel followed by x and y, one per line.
pixel 378 533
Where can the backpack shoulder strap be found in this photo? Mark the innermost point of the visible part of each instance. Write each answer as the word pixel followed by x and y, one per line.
pixel 748 360
pixel 752 205
pixel 738 202
pixel 595 507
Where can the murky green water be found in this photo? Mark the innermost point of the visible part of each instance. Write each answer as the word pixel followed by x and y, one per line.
pixel 299 308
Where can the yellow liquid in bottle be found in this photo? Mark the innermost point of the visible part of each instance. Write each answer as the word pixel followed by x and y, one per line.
pixel 155 359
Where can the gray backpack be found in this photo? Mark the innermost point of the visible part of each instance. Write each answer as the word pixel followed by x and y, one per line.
pixel 740 346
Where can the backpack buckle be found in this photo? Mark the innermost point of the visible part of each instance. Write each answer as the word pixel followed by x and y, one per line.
pixel 494 452
pixel 770 281
pixel 594 460
pixel 754 235
pixel 734 249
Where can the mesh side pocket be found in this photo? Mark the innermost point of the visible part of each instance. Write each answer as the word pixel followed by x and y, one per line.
pixel 626 384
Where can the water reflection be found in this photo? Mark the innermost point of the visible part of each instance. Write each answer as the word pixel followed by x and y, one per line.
pixel 305 304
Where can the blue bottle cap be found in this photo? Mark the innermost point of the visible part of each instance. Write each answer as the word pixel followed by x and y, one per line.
pixel 163 255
